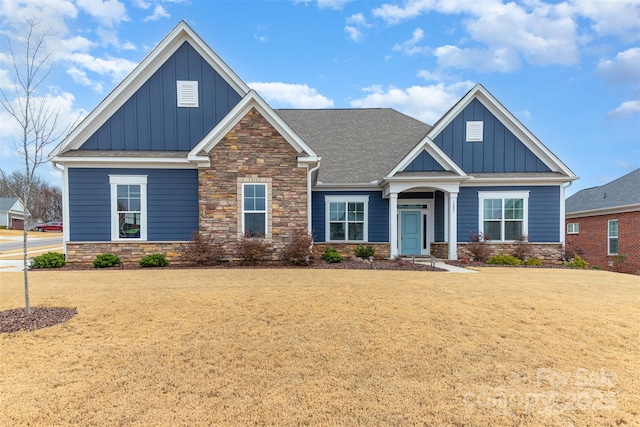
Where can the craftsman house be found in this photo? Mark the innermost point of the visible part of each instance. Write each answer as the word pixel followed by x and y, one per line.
pixel 183 145
pixel 603 224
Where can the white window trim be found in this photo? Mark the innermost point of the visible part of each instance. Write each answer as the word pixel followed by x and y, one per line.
pixel 192 87
pixel 609 237
pixel 114 181
pixel 474 131
pixel 346 199
pixel 573 228
pixel 524 195
pixel 266 206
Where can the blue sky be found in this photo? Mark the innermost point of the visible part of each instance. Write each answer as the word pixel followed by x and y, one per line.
pixel 568 70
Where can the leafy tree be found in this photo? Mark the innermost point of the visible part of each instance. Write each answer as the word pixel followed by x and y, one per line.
pixel 33 113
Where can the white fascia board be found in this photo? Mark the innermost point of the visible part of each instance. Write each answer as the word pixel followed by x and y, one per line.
pixel 127 162
pixel 251 100
pixel 509 121
pixel 357 186
pixel 517 181
pixel 430 147
pixel 604 211
pixel 149 65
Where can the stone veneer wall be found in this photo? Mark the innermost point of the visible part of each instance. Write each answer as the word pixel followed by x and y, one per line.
pixel 129 252
pixel 346 249
pixel 548 253
pixel 252 152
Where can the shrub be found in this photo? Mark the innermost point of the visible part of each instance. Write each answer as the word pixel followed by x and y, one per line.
pixel 298 250
pixel 364 252
pixel 106 260
pixel 202 250
pixel 252 249
pixel 522 248
pixel 571 250
pixel 534 262
pixel 49 260
pixel 331 255
pixel 577 262
pixel 619 262
pixel 154 260
pixel 503 260
pixel 479 248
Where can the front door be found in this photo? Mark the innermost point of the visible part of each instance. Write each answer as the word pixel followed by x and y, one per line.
pixel 410 232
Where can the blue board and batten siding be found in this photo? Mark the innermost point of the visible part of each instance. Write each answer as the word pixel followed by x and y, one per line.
pixel 378 229
pixel 424 163
pixel 544 211
pixel 499 151
pixel 172 203
pixel 151 119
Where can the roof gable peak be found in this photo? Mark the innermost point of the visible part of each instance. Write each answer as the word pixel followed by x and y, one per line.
pixel 180 34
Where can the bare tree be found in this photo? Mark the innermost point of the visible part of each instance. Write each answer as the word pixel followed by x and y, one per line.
pixel 36 117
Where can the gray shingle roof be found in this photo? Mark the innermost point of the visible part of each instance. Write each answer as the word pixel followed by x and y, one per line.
pixel 620 192
pixel 7 203
pixel 356 145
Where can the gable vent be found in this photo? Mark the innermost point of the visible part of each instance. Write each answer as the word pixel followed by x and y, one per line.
pixel 187 93
pixel 474 131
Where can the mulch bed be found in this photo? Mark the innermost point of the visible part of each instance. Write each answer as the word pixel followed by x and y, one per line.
pixel 41 317
pixel 347 264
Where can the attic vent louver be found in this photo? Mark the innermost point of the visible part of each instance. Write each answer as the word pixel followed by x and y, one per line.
pixel 187 93
pixel 474 131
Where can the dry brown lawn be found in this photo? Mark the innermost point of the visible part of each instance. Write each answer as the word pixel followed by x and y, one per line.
pixel 325 347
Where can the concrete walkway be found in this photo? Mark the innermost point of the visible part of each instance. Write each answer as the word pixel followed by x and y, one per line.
pixel 440 264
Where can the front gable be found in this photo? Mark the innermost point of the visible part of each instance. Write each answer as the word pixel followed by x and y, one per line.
pixel 424 163
pixel 141 113
pixel 494 149
pixel 151 120
pixel 481 136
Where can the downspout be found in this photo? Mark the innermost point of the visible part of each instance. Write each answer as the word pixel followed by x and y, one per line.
pixel 65 207
pixel 563 214
pixel 309 178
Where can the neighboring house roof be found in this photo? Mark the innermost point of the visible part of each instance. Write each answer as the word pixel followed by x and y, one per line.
pixel 356 145
pixel 11 204
pixel 620 194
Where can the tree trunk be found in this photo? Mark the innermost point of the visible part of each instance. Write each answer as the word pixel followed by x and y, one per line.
pixel 26 267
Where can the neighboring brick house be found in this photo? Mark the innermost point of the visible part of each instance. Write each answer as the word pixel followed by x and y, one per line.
pixel 603 224
pixel 182 144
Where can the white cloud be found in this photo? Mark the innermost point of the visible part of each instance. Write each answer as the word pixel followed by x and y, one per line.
pixel 355 24
pixel 624 68
pixel 117 68
pixel 282 95
pixel 500 59
pixel 142 4
pixel 107 12
pixel 538 32
pixel 627 108
pixel 158 12
pixel 426 103
pixel 617 18
pixel 50 14
pixel 332 4
pixel 81 78
pixel 354 33
pixel 110 37
pixel 410 47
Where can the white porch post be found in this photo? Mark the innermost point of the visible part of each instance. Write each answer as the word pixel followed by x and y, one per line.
pixel 393 224
pixel 453 226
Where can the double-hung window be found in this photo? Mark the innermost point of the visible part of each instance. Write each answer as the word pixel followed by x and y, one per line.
pixel 612 245
pixel 503 215
pixel 254 209
pixel 346 218
pixel 128 207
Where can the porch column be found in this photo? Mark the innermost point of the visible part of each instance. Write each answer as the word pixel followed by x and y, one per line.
pixel 393 224
pixel 453 226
